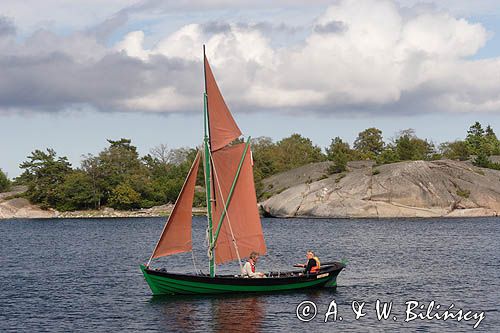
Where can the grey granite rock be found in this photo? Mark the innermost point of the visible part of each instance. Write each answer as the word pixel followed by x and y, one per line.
pixel 405 189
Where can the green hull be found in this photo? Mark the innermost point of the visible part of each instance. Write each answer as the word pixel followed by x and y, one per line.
pixel 184 284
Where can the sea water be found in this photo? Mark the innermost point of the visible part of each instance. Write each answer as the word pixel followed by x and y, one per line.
pixel 426 275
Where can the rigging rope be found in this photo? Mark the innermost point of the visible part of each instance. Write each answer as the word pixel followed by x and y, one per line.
pixel 194 263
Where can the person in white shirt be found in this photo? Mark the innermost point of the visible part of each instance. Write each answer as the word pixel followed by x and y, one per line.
pixel 249 267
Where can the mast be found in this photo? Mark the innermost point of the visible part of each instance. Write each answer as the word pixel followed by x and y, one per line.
pixel 208 167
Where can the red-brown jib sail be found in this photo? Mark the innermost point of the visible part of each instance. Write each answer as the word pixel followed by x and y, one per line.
pixel 176 235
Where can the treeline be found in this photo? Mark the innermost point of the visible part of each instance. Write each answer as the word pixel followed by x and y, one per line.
pixel 294 151
pixel 118 177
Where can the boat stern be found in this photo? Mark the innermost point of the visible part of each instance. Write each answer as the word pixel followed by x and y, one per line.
pixel 337 268
pixel 332 283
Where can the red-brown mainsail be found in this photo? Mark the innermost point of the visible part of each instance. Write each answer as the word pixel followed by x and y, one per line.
pixel 223 128
pixel 242 216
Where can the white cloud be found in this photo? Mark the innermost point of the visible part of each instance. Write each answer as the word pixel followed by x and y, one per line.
pixel 367 55
pixel 442 36
pixel 132 45
pixel 372 57
pixel 162 100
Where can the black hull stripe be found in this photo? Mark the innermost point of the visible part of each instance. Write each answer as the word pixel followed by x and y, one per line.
pixel 238 281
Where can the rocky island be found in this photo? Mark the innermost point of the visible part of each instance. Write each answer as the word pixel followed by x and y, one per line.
pixel 441 188
pixel 13 206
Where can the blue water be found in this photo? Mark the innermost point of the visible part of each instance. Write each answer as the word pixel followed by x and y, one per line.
pixel 62 275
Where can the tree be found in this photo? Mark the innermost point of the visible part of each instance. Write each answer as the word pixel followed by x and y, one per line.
pixel 141 182
pixel 340 153
pixel 403 144
pixel 119 159
pixel 76 192
pixel 115 164
pixel 43 173
pixel 167 189
pixel 388 155
pixel 482 143
pixel 491 143
pixel 369 142
pixel 337 146
pixel 160 153
pixel 4 182
pixel 165 176
pixel 164 155
pixel 296 151
pixel 482 160
pixel 424 150
pixel 409 147
pixel 90 165
pixel 475 138
pixel 340 165
pixel 456 150
pixel 124 196
pixel 181 155
pixel 264 157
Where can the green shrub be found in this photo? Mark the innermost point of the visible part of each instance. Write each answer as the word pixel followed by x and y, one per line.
pixel 337 168
pixel 4 182
pixel 200 199
pixel 495 166
pixel 281 190
pixel 325 176
pixel 463 193
pixel 124 197
pixel 265 196
pixel 76 192
pixel 340 176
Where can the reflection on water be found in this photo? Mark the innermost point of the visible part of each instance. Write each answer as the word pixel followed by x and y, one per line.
pixel 179 315
pixel 226 313
pixel 242 314
pixel 230 312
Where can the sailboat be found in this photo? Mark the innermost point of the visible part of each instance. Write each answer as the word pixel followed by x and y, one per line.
pixel 234 226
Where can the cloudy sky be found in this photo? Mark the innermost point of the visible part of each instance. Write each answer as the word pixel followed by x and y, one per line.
pixel 73 73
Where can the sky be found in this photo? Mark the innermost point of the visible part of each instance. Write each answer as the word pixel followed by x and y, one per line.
pixel 73 74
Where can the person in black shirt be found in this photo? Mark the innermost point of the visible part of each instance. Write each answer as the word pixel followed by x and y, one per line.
pixel 313 264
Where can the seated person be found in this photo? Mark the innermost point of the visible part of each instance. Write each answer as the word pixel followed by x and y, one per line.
pixel 249 267
pixel 313 264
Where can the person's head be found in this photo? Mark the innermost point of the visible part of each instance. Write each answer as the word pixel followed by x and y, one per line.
pixel 309 254
pixel 254 256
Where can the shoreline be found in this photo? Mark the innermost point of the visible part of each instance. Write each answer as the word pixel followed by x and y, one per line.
pixel 111 213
